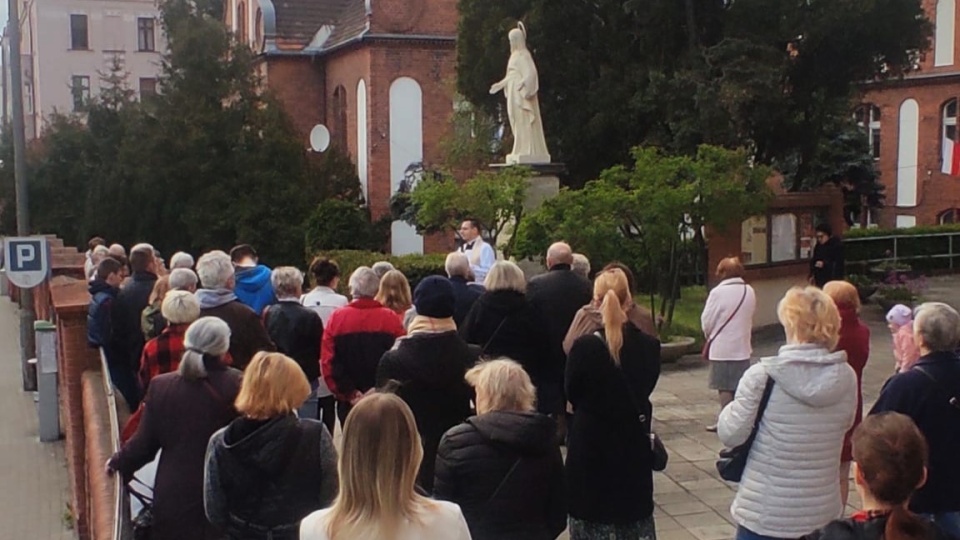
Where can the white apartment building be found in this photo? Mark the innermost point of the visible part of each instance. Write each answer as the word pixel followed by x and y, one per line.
pixel 68 46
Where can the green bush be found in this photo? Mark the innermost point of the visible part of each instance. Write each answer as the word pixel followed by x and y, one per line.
pixel 415 267
pixel 338 224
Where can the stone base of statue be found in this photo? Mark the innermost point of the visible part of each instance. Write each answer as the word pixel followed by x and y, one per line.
pixel 543 184
pixel 513 159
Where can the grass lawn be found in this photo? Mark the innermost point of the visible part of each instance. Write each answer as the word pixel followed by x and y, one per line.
pixel 686 316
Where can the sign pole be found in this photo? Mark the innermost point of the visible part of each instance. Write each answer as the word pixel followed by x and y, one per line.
pixel 27 315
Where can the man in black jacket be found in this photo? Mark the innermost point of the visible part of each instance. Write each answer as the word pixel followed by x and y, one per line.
pixel 556 297
pixel 465 293
pixel 827 262
pixel 130 303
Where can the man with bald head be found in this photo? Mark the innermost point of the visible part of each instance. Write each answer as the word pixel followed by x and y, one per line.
pixel 556 297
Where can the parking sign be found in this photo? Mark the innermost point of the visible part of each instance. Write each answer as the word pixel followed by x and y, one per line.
pixel 26 259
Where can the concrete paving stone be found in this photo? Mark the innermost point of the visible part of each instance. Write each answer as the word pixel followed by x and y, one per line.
pixel 675 497
pixel 662 484
pixel 714 532
pixel 683 509
pixel 701 519
pixel 666 523
pixel 715 495
pixel 679 534
pixel 684 472
pixel 692 451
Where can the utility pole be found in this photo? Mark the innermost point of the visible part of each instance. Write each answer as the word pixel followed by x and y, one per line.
pixel 27 315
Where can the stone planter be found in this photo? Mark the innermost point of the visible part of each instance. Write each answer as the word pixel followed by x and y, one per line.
pixel 672 350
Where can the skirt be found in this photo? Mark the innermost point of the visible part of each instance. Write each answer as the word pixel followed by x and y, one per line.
pixel 588 530
pixel 725 374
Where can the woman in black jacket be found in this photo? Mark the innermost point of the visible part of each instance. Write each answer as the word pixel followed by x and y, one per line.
pixel 268 469
pixel 503 323
pixel 609 378
pixel 503 466
pixel 428 366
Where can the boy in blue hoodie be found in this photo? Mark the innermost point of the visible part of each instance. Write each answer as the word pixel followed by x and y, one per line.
pixel 253 280
pixel 100 332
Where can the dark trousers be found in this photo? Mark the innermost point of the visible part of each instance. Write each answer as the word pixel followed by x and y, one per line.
pixel 343 409
pixel 327 412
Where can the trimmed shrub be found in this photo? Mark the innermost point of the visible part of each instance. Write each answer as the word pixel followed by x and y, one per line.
pixel 338 224
pixel 415 267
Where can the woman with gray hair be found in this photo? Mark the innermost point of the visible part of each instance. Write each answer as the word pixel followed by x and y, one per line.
pixel 182 410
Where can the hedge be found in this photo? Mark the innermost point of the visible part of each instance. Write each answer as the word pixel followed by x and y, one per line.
pixel 912 248
pixel 415 267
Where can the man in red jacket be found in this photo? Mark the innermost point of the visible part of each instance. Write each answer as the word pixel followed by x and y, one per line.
pixel 355 338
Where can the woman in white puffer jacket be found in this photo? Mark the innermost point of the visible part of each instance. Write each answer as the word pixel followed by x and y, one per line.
pixel 789 487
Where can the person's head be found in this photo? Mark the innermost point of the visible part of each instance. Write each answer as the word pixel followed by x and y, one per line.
pixel 457 265
pixel 559 253
pixel 180 307
pixel 844 294
pixel 118 252
pixel 206 337
pixel 243 256
pixel 611 292
pixel 394 291
pixel 99 253
pixel 936 327
pixel 325 272
pixel 216 270
pixel 181 259
pixel 364 283
pixel 808 315
pixel 381 268
pixel 631 280
pixel 183 279
pixel 469 230
pixel 898 316
pixel 502 385
pixel 890 462
pixel 287 282
pixel 110 270
pixel 581 265
pixel 379 461
pixel 160 289
pixel 823 232
pixel 142 259
pixel 730 268
pixel 273 385
pixel 505 276
pixel 95 242
pixel 434 298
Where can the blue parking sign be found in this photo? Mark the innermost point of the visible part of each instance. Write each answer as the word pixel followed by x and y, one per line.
pixel 26 260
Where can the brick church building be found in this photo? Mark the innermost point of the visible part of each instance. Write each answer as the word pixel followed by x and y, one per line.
pixel 912 124
pixel 379 74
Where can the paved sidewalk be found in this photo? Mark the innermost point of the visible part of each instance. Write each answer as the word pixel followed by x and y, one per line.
pixel 33 475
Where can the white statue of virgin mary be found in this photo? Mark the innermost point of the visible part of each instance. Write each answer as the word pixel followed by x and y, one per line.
pixel 520 86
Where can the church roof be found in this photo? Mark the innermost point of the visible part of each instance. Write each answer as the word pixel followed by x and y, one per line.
pixel 318 25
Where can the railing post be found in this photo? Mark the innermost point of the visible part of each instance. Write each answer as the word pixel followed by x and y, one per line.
pixel 950 249
pixel 895 250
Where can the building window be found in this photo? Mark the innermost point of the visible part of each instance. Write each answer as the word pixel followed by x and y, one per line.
pixel 242 23
pixel 908 149
pixel 146 34
pixel 782 237
pixel 79 40
pixel 258 30
pixel 340 117
pixel 80 88
pixel 944 37
pixel 949 217
pixel 27 98
pixel 868 118
pixel 148 87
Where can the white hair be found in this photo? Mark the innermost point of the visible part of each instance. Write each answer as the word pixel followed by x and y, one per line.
pixel 581 265
pixel 287 281
pixel 559 253
pixel 215 270
pixel 144 247
pixel 505 275
pixel 183 279
pixel 180 307
pixel 181 259
pixel 381 268
pixel 938 326
pixel 364 283
pixel 457 264
pixel 206 336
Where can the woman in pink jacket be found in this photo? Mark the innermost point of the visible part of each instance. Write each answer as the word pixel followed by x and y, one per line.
pixel 905 351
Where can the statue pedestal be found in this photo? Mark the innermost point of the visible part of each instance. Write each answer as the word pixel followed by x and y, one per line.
pixel 543 184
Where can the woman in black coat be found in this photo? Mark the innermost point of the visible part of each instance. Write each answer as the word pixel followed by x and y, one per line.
pixel 609 378
pixel 181 411
pixel 268 469
pixel 503 323
pixel 427 367
pixel 503 466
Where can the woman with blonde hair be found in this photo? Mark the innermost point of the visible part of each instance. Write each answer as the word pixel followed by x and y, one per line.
pixel 855 341
pixel 808 397
pixel 268 469
pixel 395 292
pixel 152 322
pixel 503 466
pixel 610 375
pixel 379 459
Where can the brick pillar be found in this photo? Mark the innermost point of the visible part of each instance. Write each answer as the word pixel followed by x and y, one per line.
pixel 70 300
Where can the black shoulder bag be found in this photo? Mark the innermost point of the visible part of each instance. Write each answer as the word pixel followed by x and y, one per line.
pixel 732 462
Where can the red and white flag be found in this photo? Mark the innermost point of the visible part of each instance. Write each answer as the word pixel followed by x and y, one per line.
pixel 951 157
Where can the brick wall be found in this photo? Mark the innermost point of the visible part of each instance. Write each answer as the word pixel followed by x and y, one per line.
pixel 298 83
pixel 100 495
pixel 428 17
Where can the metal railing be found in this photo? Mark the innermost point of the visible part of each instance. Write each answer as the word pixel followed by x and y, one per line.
pixel 896 253
pixel 122 524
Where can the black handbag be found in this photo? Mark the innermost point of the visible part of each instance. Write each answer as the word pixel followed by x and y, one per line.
pixel 733 461
pixel 143 522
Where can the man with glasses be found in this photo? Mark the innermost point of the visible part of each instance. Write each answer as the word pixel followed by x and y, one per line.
pixel 827 261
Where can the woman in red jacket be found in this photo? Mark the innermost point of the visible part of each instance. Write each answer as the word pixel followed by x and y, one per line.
pixel 855 341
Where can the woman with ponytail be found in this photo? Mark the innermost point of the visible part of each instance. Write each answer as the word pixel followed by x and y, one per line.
pixel 890 463
pixel 610 375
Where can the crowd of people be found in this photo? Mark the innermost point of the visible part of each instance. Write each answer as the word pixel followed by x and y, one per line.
pixel 454 397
